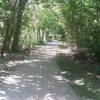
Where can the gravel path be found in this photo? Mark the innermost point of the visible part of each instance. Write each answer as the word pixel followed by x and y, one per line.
pixel 37 78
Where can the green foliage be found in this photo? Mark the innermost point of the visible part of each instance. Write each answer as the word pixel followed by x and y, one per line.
pixel 82 22
pixel 41 21
pixel 75 20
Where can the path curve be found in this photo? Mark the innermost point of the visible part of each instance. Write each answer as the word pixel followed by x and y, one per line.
pixel 37 78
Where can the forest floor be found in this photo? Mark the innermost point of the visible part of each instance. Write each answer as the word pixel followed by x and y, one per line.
pixel 84 78
pixel 34 76
pixel 47 73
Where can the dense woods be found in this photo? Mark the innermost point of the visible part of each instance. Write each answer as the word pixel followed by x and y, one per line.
pixel 37 37
pixel 24 23
pixel 82 22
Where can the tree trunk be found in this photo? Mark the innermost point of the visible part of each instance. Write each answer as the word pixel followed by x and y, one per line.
pixel 43 35
pixel 9 29
pixel 5 42
pixel 38 36
pixel 21 6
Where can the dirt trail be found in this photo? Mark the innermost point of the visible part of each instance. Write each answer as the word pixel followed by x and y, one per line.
pixel 37 78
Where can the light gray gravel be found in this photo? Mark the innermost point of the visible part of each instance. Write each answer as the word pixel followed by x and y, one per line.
pixel 37 78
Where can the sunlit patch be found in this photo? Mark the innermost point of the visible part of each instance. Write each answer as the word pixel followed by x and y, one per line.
pixel 27 61
pixel 64 72
pixel 35 97
pixel 10 64
pixel 64 98
pixel 36 60
pixel 39 88
pixel 14 89
pixel 5 54
pixel 37 85
pixel 41 67
pixel 33 84
pixel 2 92
pixel 17 87
pixel 14 63
pixel 4 71
pixel 79 82
pixel 50 86
pixel 98 90
pixel 58 77
pixel 12 79
pixel 3 98
pixel 48 97
pixel 98 76
pixel 38 76
pixel 23 86
pixel 90 73
pixel 30 76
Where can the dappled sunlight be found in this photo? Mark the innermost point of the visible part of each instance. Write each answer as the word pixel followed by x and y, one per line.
pixel 79 82
pixel 35 33
pixel 2 92
pixel 4 71
pixel 83 79
pixel 48 97
pixel 37 83
pixel 59 78
pixel 35 77
pixel 14 63
pixel 63 72
pixel 35 97
pixel 10 64
pixel 50 51
pixel 12 79
pixel 3 98
pixel 14 90
pixel 36 60
pixel 41 67
pixel 92 74
pixel 39 60
pixel 98 76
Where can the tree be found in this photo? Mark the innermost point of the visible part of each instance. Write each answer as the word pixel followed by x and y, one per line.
pixel 82 22
pixel 20 9
pixel 13 11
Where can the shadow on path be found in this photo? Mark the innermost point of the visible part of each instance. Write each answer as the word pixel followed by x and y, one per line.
pixel 37 77
pixel 83 78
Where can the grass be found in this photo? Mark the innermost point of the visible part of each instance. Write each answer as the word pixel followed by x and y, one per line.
pixel 83 78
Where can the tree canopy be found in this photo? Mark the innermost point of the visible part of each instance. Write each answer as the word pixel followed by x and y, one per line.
pixel 24 23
